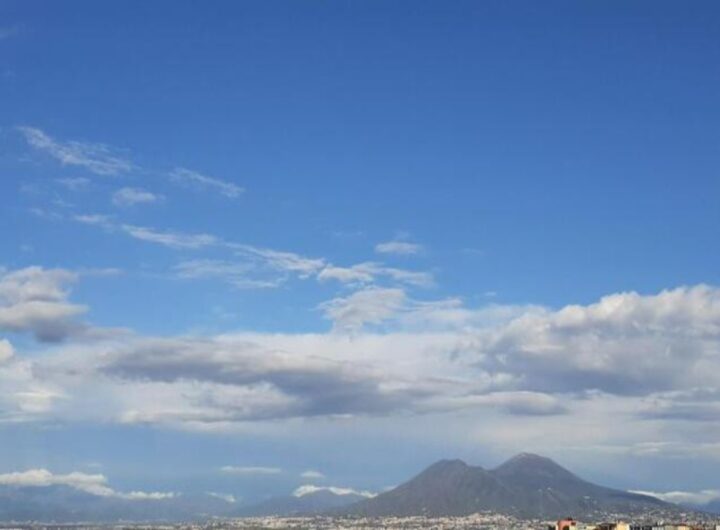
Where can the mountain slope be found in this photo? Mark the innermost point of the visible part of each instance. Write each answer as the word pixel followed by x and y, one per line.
pixel 526 485
pixel 310 503
pixel 447 487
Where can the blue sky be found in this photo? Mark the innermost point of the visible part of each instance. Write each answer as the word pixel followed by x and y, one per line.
pixel 293 235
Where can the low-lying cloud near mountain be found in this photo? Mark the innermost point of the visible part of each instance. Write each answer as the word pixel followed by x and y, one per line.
pixel 94 484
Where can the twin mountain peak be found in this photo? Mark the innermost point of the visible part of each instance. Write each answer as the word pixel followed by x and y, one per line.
pixel 527 485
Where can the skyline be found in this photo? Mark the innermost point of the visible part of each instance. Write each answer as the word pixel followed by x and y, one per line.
pixel 254 247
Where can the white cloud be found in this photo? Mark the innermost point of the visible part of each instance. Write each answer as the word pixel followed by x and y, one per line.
pixel 269 259
pixel 263 260
pixel 371 305
pixel 176 240
pixel 223 496
pixel 94 484
pixel 97 158
pixel 361 273
pixel 251 470
pixel 685 497
pixel 6 350
pixel 311 474
pixel 626 343
pixel 133 196
pixel 402 248
pixel 146 495
pixel 198 180
pixel 309 489
pixel 487 366
pixel 368 272
pixel 36 400
pixel 94 219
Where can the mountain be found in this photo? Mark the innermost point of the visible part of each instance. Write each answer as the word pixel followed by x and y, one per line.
pixel 307 504
pixel 64 504
pixel 712 506
pixel 527 485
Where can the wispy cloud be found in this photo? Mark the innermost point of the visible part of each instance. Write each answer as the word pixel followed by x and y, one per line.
pixel 403 248
pixel 368 272
pixel 282 260
pixel 311 474
pixel 133 196
pixel 74 183
pixel 239 275
pixel 170 239
pixel 94 219
pixel 195 179
pixel 278 261
pixel 97 158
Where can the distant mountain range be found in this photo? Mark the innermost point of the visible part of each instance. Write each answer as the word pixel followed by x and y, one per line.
pixel 60 503
pixel 527 485
pixel 307 504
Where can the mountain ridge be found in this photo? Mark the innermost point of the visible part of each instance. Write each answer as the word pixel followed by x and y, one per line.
pixel 526 485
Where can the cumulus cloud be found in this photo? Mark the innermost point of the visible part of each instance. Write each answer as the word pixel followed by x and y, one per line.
pixel 94 484
pixel 200 181
pixel 133 196
pixel 490 365
pixel 626 343
pixel 97 158
pixel 251 470
pixel 403 248
pixel 309 489
pixel 34 300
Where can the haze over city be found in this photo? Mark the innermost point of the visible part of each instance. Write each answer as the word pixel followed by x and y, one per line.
pixel 257 248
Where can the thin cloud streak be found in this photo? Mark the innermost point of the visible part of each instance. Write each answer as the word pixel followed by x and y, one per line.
pixel 96 158
pixel 197 180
